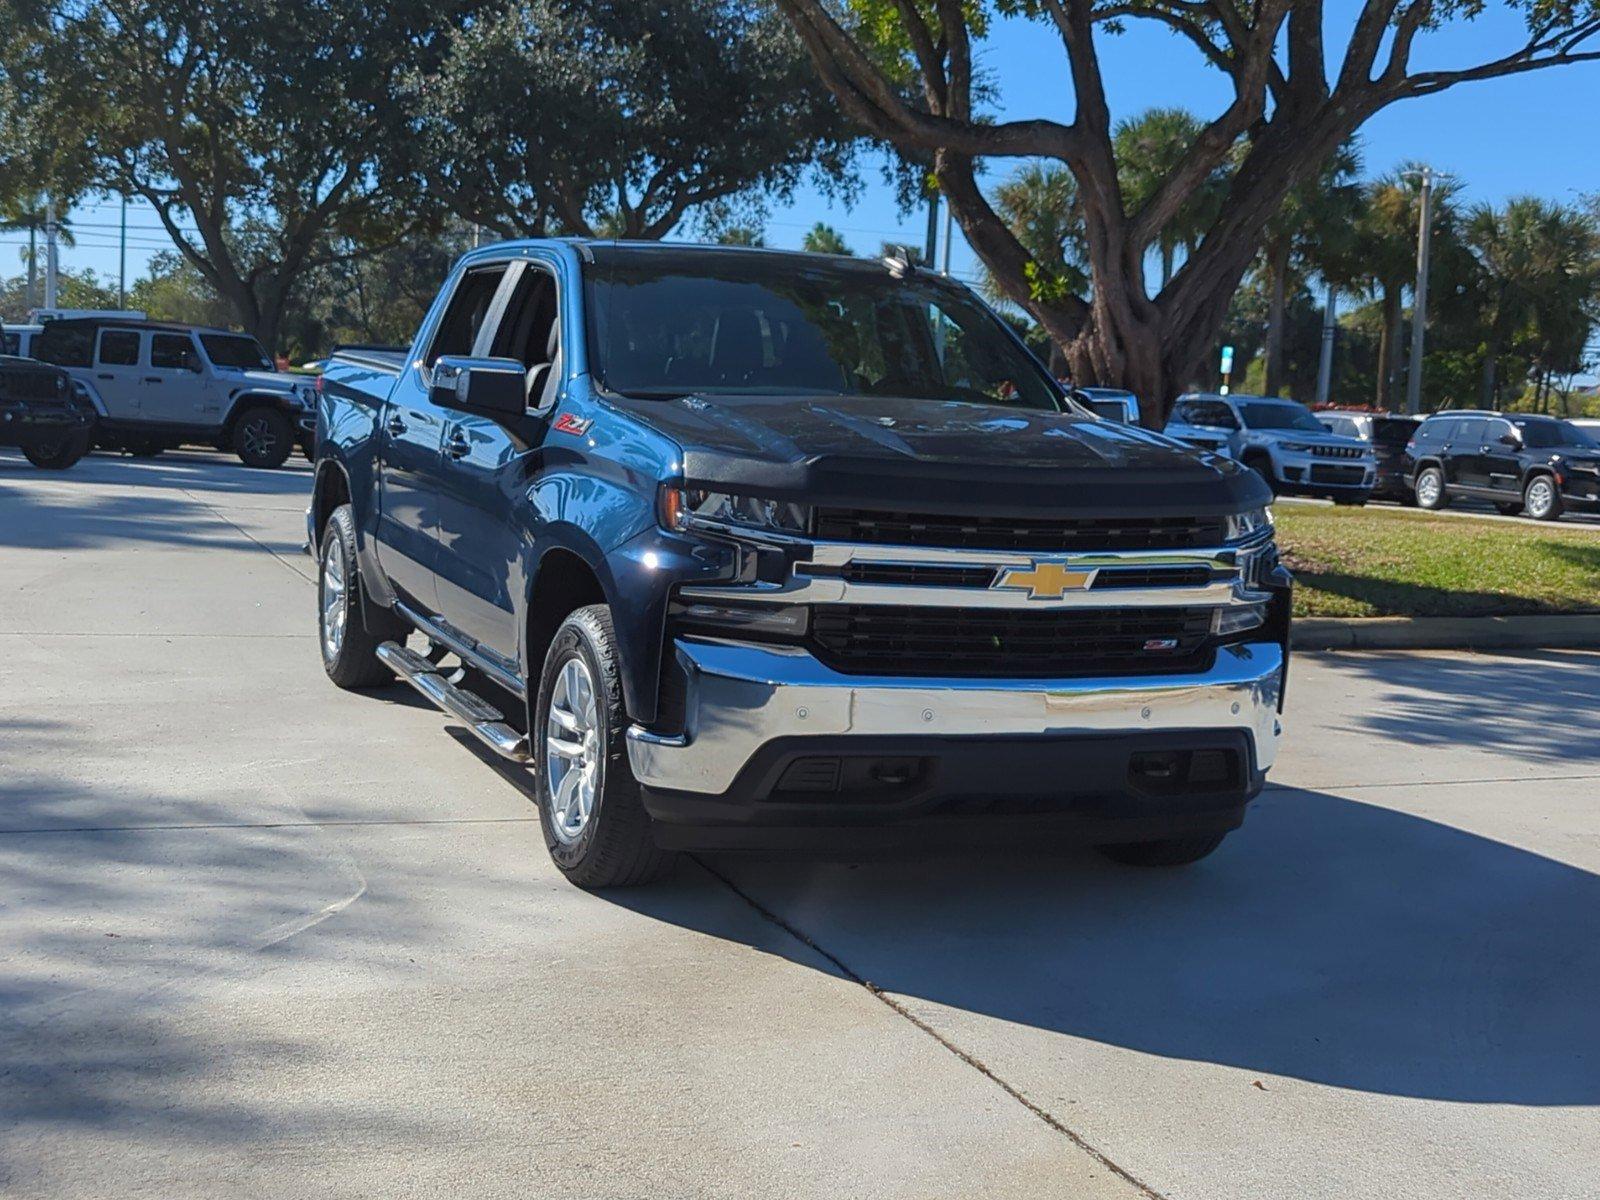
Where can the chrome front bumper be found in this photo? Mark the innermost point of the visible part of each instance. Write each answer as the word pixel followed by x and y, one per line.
pixel 742 696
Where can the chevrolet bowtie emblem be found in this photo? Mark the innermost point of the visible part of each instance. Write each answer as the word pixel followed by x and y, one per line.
pixel 1046 580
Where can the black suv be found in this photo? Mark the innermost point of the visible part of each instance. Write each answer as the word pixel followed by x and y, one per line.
pixel 43 414
pixel 1534 465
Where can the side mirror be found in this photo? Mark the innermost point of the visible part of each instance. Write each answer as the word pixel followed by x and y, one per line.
pixel 1510 439
pixel 494 387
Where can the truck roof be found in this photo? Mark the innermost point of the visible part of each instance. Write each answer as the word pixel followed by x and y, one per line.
pixel 606 250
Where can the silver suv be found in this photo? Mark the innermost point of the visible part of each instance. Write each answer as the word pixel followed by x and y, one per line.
pixel 156 386
pixel 1281 441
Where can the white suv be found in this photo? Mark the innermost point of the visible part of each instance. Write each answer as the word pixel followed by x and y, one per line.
pixel 156 386
pixel 1281 441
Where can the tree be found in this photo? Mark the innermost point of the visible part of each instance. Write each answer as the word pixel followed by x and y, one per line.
pixel 27 212
pixel 824 239
pixel 576 116
pixel 261 133
pixel 1039 204
pixel 1310 229
pixel 905 70
pixel 1148 148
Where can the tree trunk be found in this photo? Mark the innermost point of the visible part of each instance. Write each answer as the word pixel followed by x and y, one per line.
pixel 1277 305
pixel 1491 352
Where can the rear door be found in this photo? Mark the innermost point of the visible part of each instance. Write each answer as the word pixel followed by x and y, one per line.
pixel 118 373
pixel 490 464
pixel 410 433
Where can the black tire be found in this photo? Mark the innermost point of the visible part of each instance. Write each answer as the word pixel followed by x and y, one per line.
pixel 1508 510
pixel 350 658
pixel 612 845
pixel 57 456
pixel 1170 852
pixel 1541 498
pixel 263 437
pixel 1261 464
pixel 1429 489
pixel 145 448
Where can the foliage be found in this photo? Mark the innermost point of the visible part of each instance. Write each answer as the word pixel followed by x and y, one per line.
pixel 77 289
pixel 824 239
pixel 583 116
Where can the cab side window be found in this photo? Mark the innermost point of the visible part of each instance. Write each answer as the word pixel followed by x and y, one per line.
pixel 118 348
pixel 469 307
pixel 530 332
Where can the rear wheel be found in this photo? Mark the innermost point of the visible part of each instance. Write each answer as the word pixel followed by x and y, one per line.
pixel 262 437
pixel 57 455
pixel 1541 499
pixel 1430 488
pixel 594 821
pixel 349 649
pixel 1169 852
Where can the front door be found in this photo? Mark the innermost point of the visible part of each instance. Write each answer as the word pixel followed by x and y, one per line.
pixel 410 436
pixel 489 467
pixel 117 373
pixel 1463 457
pixel 1502 466
pixel 173 388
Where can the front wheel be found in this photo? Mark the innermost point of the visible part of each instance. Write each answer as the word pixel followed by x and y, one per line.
pixel 594 821
pixel 57 456
pixel 1169 852
pixel 349 648
pixel 1541 499
pixel 263 438
pixel 1430 489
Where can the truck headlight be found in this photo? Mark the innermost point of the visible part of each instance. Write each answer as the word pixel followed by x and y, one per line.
pixel 686 508
pixel 1238 526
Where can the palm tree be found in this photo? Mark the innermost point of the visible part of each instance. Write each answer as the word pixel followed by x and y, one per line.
pixel 27 212
pixel 1039 204
pixel 1539 265
pixel 1309 234
pixel 1147 148
pixel 1386 236
pixel 824 239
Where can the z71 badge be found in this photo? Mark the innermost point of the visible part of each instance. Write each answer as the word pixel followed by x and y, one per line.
pixel 567 423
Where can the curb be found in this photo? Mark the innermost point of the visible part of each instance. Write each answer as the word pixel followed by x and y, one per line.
pixel 1577 631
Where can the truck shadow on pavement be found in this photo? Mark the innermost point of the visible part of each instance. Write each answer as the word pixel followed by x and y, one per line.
pixel 1329 940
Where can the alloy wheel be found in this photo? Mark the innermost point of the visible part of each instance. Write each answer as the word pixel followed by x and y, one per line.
pixel 572 750
pixel 334 610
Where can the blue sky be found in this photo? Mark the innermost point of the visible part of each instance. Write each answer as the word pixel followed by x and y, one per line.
pixel 1538 133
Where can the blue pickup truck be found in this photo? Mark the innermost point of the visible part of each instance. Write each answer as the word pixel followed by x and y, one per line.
pixel 743 549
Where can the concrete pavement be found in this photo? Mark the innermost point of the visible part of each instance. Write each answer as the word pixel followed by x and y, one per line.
pixel 264 937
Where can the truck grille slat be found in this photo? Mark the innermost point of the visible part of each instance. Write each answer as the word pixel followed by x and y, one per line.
pixel 1007 642
pixel 1007 533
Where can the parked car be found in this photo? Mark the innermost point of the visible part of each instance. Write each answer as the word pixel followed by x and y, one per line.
pixel 156 386
pixel 43 414
pixel 1387 434
pixel 1535 465
pixel 1281 441
pixel 16 341
pixel 1114 404
pixel 742 548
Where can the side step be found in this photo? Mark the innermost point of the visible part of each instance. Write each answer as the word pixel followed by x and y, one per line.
pixel 485 721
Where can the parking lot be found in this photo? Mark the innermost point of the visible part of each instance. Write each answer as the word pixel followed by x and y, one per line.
pixel 264 937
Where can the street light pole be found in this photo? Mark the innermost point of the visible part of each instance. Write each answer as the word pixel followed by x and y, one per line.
pixel 122 257
pixel 1419 307
pixel 50 263
pixel 1325 363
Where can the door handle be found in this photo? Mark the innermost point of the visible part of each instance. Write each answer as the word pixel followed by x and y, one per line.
pixel 153 379
pixel 457 446
pixel 105 375
pixel 395 426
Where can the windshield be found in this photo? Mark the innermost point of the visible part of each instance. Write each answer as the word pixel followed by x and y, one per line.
pixel 234 350
pixel 1279 416
pixel 666 324
pixel 1543 435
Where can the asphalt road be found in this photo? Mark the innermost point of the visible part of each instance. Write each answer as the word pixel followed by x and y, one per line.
pixel 262 937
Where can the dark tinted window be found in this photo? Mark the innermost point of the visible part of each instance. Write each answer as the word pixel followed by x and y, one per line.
pixel 1493 431
pixel 1388 432
pixel 170 351
pixel 1111 410
pixel 1436 431
pixel 1209 414
pixel 1547 435
pixel 665 324
pixel 66 345
pixel 235 350
pixel 119 348
pixel 458 331
pixel 526 330
pixel 1469 431
pixel 1266 415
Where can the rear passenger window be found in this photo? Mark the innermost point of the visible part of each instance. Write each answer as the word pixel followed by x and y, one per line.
pixel 458 331
pixel 119 348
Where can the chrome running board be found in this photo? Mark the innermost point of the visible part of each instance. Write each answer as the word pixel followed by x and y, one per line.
pixel 486 722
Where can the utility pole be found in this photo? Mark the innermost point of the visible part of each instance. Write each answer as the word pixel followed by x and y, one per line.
pixel 1419 307
pixel 33 259
pixel 122 257
pixel 1325 363
pixel 51 264
pixel 949 217
pixel 931 246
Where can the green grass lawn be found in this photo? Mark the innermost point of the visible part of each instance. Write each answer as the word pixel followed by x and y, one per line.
pixel 1385 562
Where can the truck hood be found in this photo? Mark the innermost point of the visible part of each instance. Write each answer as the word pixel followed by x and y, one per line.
pixel 940 456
